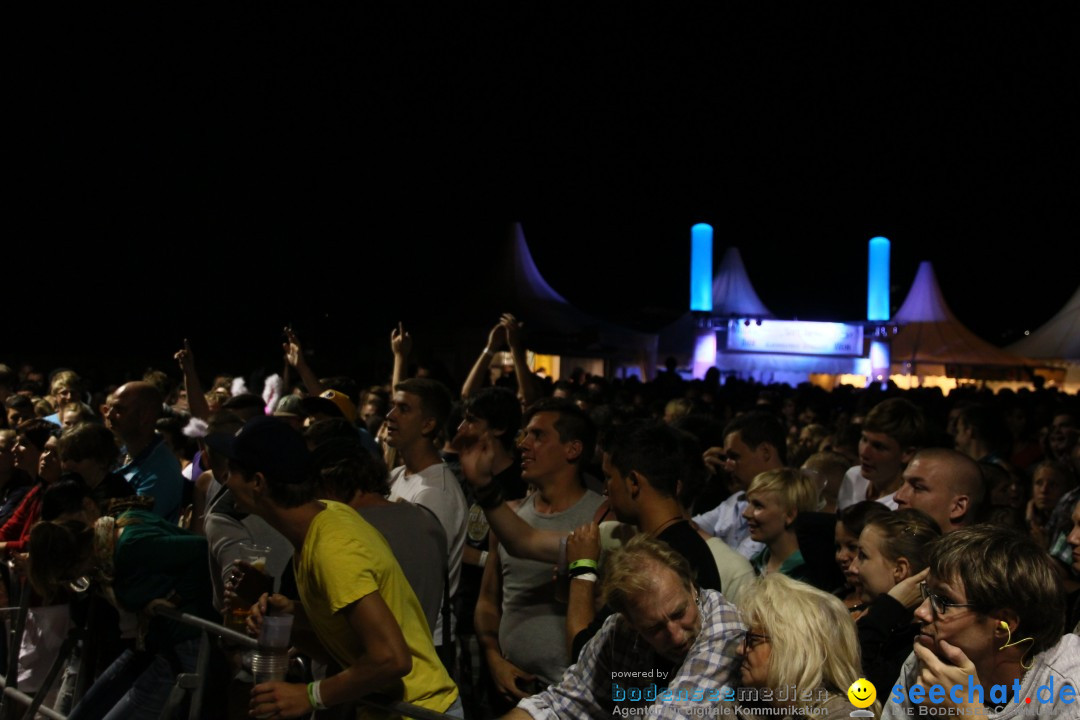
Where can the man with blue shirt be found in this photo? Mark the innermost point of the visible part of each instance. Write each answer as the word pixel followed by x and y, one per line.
pixel 152 470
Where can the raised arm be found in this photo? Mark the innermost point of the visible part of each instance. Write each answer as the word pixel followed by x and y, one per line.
pixel 583 544
pixel 195 396
pixel 294 355
pixel 401 346
pixel 475 381
pixel 518 537
pixel 528 388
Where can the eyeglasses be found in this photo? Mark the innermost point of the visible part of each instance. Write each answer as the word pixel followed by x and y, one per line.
pixel 939 604
pixel 752 639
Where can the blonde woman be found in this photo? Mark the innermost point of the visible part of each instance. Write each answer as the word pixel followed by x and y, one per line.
pixel 800 653
pixel 773 503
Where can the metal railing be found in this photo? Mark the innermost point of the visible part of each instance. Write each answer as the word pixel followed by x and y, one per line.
pixel 186 684
pixel 9 683
pixel 374 701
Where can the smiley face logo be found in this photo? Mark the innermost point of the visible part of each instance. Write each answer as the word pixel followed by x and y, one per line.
pixel 862 693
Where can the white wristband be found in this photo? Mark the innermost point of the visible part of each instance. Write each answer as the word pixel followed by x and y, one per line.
pixel 591 577
pixel 483 558
pixel 315 696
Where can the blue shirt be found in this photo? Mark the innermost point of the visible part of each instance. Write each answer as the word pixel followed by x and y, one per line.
pixel 156 473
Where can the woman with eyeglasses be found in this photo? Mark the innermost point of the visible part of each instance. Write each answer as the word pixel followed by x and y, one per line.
pixel 799 655
pixel 992 617
pixel 888 566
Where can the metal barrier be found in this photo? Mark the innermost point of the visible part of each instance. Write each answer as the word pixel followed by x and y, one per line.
pixel 374 701
pixel 10 683
pixel 186 684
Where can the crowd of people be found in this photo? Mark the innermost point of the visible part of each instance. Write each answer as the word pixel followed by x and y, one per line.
pixel 522 547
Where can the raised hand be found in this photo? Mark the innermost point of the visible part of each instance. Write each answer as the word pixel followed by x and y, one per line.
pixel 477 456
pixel 715 459
pixel 185 358
pixel 294 354
pixel 496 338
pixel 513 330
pixel 400 341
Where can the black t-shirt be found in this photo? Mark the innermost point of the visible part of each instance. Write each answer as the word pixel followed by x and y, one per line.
pixel 684 539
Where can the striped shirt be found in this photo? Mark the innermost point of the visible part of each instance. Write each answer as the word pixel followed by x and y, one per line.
pixel 619 670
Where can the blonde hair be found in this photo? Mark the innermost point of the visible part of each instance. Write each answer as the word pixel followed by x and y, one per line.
pixel 813 637
pixel 796 489
pixel 64 379
pixel 630 571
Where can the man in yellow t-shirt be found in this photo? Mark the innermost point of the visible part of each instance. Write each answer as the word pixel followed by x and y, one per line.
pixel 353 593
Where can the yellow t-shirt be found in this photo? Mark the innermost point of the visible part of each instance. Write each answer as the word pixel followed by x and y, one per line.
pixel 344 559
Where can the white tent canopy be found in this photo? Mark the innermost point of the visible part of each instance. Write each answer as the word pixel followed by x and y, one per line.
pixel 1058 338
pixel 558 327
pixel 733 293
pixel 931 335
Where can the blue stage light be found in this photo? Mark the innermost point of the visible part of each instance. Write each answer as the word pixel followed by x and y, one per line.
pixel 877 295
pixel 701 245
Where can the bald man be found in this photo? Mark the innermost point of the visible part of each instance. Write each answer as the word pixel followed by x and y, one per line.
pixel 945 484
pixel 153 470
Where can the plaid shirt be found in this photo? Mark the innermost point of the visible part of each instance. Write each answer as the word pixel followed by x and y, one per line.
pixel 705 677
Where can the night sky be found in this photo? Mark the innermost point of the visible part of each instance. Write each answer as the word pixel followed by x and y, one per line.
pixel 217 172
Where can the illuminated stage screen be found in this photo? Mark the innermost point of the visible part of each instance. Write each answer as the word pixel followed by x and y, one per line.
pixel 795 337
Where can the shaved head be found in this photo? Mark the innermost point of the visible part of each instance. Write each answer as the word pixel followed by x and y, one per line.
pixel 143 394
pixel 133 410
pixel 945 484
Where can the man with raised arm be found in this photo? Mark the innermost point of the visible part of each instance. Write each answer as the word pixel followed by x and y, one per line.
pixel 523 637
pixel 644 462
pixel 495 413
pixel 507 330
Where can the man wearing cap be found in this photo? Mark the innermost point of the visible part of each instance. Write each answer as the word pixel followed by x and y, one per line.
pixel 416 418
pixel 329 404
pixel 336 404
pixel 353 593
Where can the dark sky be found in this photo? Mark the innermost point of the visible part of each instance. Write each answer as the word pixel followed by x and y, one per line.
pixel 217 172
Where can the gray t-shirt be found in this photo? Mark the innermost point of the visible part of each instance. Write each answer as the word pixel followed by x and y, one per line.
pixel 1052 670
pixel 532 632
pixel 418 541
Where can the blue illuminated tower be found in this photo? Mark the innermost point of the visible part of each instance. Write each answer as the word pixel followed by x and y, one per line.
pixel 701 296
pixel 701 239
pixel 877 308
pixel 877 294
